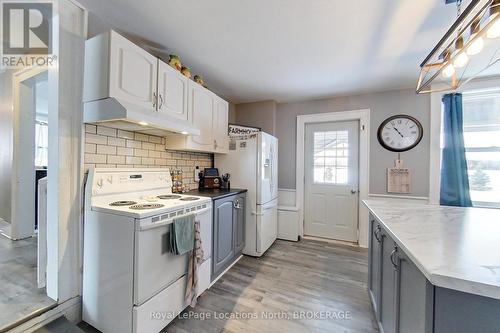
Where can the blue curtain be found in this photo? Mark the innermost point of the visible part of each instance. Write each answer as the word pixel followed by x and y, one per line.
pixel 454 177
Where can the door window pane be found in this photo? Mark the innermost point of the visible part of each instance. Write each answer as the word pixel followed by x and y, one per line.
pixel 331 151
pixel 482 144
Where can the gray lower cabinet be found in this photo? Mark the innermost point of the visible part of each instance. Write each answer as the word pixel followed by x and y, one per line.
pixel 414 297
pixel 405 301
pixel 228 232
pixel 401 296
pixel 388 285
pixel 374 264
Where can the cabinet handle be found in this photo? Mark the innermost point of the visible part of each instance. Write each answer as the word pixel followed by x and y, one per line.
pixel 237 205
pixel 392 257
pixel 155 98
pixel 376 233
pixel 161 101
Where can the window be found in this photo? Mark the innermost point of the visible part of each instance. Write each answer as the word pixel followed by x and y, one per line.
pixel 331 157
pixel 41 144
pixel 481 111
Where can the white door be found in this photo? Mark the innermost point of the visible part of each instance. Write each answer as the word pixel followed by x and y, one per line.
pixel 267 173
pixel 331 180
pixel 172 91
pixel 133 73
pixel 201 116
pixel 221 115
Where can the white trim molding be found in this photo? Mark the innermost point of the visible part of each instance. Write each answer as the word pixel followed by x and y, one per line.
pixel 363 116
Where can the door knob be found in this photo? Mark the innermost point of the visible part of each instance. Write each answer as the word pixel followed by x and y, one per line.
pixel 354 191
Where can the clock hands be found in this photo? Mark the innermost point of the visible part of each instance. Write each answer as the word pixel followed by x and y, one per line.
pixel 398 131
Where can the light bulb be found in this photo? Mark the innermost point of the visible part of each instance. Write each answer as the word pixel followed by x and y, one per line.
pixel 461 59
pixel 494 29
pixel 448 71
pixel 476 46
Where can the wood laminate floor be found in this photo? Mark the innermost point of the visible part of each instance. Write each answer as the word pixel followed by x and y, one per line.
pixel 19 294
pixel 306 278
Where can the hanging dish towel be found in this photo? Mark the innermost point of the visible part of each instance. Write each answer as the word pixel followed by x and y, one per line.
pixel 182 235
pixel 195 259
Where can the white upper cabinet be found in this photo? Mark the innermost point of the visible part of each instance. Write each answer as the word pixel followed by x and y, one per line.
pixel 172 92
pixel 201 105
pixel 220 125
pixel 209 113
pixel 116 67
pixel 152 92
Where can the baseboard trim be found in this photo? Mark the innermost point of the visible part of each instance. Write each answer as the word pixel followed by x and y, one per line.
pixel 71 306
pixel 225 271
pixel 333 241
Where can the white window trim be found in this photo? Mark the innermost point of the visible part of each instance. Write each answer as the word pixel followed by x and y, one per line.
pixel 435 133
pixel 364 156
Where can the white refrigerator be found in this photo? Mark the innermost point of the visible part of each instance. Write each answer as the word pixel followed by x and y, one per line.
pixel 252 162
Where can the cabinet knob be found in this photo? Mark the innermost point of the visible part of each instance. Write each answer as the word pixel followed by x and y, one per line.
pixel 393 258
pixel 154 100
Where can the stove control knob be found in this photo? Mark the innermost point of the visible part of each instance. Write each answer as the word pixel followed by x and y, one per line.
pixel 100 182
pixel 110 179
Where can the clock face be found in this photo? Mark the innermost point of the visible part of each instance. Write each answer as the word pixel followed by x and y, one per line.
pixel 400 133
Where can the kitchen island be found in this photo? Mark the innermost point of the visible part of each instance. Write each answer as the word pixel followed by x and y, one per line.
pixel 434 268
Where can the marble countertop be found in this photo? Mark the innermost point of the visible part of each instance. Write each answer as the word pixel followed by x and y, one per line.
pixel 455 248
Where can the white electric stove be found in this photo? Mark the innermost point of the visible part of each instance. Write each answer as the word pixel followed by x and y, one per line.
pixel 129 272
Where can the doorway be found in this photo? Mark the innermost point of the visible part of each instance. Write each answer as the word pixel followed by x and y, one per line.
pixel 331 180
pixel 360 216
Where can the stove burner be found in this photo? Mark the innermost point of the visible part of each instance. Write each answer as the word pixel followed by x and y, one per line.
pixel 146 206
pixel 189 199
pixel 168 196
pixel 122 203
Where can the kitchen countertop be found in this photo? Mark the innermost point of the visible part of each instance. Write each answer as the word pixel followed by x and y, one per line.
pixel 454 247
pixel 216 193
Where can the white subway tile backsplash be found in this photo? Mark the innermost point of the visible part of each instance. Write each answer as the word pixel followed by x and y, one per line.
pixel 97 139
pixel 133 144
pixel 95 158
pixel 106 131
pixel 90 148
pixel 125 151
pixel 141 152
pixel 115 159
pixel 132 160
pixel 148 145
pixel 89 128
pixel 110 148
pixel 125 134
pixel 106 150
pixel 155 139
pixel 116 142
pixel 141 137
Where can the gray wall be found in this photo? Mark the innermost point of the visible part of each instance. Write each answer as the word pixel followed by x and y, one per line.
pixel 6 137
pixel 258 114
pixel 382 105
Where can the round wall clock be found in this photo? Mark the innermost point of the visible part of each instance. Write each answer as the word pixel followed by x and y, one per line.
pixel 400 133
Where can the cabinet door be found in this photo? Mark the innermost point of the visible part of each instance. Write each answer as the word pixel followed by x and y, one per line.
pixel 374 263
pixel 133 73
pixel 223 246
pixel 201 107
pixel 221 117
pixel 388 286
pixel 414 298
pixel 239 223
pixel 172 92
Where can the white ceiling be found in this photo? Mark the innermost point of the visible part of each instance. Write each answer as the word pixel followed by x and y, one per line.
pixel 287 50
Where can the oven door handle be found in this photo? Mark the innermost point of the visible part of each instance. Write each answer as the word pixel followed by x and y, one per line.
pixel 162 223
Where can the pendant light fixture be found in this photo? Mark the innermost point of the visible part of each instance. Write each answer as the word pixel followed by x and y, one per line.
pixel 470 48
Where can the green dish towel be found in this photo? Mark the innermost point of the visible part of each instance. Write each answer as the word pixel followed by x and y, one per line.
pixel 182 235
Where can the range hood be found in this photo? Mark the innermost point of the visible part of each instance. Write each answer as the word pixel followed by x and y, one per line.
pixel 123 115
